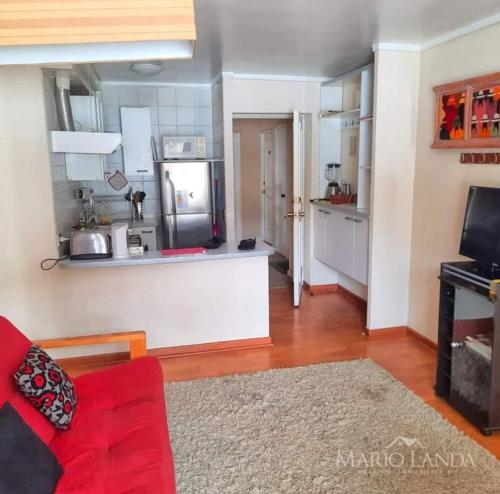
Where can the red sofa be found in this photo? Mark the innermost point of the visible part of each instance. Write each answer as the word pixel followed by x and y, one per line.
pixel 118 442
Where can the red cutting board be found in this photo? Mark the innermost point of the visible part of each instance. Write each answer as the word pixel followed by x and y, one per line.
pixel 181 252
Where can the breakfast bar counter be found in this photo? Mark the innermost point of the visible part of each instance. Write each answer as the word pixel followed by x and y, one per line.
pixel 225 251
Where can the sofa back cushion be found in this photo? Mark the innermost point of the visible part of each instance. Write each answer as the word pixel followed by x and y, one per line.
pixel 13 348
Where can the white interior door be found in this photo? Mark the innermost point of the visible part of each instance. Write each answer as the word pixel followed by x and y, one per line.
pixel 267 191
pixel 298 206
pixel 280 189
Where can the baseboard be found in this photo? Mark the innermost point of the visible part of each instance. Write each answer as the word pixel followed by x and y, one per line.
pixel 318 289
pixel 423 339
pixel 218 346
pixel 353 296
pixel 169 352
pixel 391 332
pixel 101 359
pixel 396 331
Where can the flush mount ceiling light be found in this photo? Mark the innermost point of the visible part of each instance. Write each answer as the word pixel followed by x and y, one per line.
pixel 147 68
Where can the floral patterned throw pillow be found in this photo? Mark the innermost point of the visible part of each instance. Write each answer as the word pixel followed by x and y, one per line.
pixel 47 387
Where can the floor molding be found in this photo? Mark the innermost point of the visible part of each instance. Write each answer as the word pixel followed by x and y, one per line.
pixel 397 331
pixel 218 346
pixel 318 289
pixel 390 332
pixel 423 339
pixel 353 296
pixel 167 352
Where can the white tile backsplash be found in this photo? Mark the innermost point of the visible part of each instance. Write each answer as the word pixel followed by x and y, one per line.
pixel 167 115
pixel 205 131
pixel 154 116
pixel 110 95
pixel 111 115
pixel 127 96
pixel 184 96
pixel 186 116
pixel 185 130
pixel 203 116
pixel 166 96
pixel 203 97
pixel 168 130
pixel 148 96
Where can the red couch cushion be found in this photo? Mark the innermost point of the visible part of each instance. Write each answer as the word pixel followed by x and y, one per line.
pixel 118 442
pixel 13 348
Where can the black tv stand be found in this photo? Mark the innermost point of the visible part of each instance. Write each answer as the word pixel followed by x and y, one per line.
pixel 468 367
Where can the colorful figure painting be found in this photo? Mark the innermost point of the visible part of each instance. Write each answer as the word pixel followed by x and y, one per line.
pixel 452 116
pixel 485 116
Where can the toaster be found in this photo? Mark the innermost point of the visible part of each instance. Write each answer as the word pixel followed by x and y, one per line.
pixel 89 244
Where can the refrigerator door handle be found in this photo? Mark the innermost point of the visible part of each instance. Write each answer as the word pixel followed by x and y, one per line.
pixel 168 195
pixel 171 232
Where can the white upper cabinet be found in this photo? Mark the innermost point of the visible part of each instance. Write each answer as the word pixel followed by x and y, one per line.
pixel 136 136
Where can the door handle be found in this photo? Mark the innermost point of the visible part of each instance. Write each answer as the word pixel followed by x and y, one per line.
pixel 357 220
pixel 300 214
pixel 349 218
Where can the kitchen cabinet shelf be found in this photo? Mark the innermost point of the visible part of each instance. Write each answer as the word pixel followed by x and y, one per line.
pixel 339 114
pixel 85 142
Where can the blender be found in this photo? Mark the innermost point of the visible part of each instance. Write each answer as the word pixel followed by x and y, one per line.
pixel 333 176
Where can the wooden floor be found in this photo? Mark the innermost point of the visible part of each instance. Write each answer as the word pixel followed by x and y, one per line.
pixel 326 328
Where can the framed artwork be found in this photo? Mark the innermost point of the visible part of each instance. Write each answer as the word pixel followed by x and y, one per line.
pixel 468 113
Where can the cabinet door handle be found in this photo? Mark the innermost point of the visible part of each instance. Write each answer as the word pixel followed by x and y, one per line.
pixel 357 220
pixel 349 218
pixel 141 171
pixel 323 211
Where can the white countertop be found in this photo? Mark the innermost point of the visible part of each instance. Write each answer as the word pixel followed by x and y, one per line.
pixel 225 251
pixel 345 208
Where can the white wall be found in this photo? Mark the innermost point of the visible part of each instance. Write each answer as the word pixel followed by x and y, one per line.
pixel 394 146
pixel 174 304
pixel 67 207
pixel 247 95
pixel 441 182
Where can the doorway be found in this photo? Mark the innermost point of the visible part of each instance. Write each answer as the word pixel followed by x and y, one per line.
pixel 263 171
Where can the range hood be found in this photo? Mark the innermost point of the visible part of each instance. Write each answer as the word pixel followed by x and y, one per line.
pixel 85 142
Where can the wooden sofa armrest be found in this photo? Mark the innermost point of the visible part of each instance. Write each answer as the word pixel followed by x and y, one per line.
pixel 136 341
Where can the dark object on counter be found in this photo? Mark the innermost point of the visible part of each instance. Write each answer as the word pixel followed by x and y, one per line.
pixel 214 243
pixel 247 244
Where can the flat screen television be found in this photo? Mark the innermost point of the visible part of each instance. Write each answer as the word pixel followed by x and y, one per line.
pixel 481 232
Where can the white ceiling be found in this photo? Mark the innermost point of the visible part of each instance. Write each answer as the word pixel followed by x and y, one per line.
pixel 313 38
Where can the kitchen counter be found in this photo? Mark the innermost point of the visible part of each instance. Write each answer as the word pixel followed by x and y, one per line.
pixel 344 208
pixel 225 251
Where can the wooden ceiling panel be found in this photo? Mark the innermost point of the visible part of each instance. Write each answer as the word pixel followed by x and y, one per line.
pixel 42 22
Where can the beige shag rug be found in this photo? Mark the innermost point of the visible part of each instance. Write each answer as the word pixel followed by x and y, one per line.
pixel 346 428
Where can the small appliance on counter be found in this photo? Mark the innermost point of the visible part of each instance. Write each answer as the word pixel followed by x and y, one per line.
pixel 119 241
pixel 184 148
pixel 89 244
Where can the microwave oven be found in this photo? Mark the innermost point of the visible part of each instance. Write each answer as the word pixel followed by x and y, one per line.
pixel 184 148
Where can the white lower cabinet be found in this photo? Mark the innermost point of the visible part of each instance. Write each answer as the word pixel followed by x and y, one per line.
pixel 361 236
pixel 341 242
pixel 320 231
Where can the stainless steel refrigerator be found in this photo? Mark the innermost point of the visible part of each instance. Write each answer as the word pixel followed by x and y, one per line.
pixel 191 202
